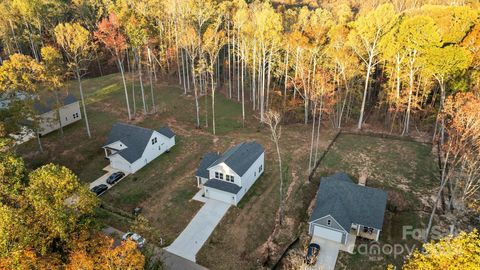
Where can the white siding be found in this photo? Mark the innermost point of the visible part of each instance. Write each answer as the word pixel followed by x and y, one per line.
pixel 151 152
pixel 251 175
pixel 223 168
pixel 119 163
pixel 49 120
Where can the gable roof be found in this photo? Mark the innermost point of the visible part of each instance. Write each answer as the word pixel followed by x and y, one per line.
pixel 222 185
pixel 133 137
pixel 45 106
pixel 206 161
pixel 349 203
pixel 166 131
pixel 240 157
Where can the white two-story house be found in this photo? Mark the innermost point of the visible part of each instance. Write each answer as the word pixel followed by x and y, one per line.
pixel 129 148
pixel 229 176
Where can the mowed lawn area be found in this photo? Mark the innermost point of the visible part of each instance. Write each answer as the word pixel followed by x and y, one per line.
pixel 164 187
pixel 407 170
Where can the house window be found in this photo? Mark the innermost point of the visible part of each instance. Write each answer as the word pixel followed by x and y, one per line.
pixel 260 169
pixel 219 175
pixel 329 222
pixel 230 178
pixel 154 140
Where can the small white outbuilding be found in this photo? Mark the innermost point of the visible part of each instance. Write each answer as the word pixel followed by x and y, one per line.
pixel 129 148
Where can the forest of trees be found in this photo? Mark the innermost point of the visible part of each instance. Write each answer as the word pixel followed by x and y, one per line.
pixel 404 67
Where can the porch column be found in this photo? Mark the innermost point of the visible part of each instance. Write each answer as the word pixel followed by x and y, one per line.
pixel 106 152
pixel 358 229
pixel 378 235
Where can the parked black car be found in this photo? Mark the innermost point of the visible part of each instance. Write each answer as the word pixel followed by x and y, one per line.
pixel 114 177
pixel 99 189
pixel 312 252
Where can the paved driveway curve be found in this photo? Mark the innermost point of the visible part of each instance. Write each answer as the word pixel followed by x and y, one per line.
pixel 192 238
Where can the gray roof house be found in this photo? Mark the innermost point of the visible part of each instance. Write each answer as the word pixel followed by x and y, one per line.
pixel 227 177
pixel 51 118
pixel 344 208
pixel 48 105
pixel 130 147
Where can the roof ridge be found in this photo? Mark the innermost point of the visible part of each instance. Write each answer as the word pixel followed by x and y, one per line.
pixel 134 126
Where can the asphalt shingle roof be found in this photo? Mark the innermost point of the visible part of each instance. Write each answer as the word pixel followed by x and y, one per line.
pixel 206 161
pixel 240 157
pixel 222 185
pixel 166 131
pixel 349 203
pixel 49 104
pixel 135 138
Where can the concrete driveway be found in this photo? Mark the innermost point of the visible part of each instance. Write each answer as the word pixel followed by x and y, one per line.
pixel 103 179
pixel 327 258
pixel 192 238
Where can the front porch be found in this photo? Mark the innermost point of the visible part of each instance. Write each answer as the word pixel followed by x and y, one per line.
pixel 365 232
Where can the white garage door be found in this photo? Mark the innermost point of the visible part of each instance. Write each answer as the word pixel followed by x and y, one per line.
pixel 219 195
pixel 327 234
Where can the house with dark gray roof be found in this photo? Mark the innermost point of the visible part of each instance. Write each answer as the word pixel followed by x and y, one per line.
pixel 52 115
pixel 129 148
pixel 344 208
pixel 227 177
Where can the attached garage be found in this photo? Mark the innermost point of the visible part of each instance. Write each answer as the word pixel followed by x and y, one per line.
pixel 329 234
pixel 220 195
pixel 221 190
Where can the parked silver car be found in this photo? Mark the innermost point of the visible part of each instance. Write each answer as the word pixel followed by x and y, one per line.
pixel 135 238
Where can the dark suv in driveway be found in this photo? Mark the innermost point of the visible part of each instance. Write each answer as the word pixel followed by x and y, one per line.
pixel 312 253
pixel 114 177
pixel 99 189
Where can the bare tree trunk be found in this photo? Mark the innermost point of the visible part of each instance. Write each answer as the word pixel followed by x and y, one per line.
pixel 319 123
pixel 197 107
pixel 312 140
pixel 243 88
pixel 122 72
pixel 140 77
pixel 286 80
pixel 40 147
pixel 213 104
pixel 365 92
pixel 254 75
pixel 79 80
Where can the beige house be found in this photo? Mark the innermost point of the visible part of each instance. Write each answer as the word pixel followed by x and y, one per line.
pixel 51 119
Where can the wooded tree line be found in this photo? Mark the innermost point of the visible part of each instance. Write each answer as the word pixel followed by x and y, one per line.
pixel 343 62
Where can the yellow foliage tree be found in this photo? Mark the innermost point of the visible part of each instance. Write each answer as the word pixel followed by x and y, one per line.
pixel 450 253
